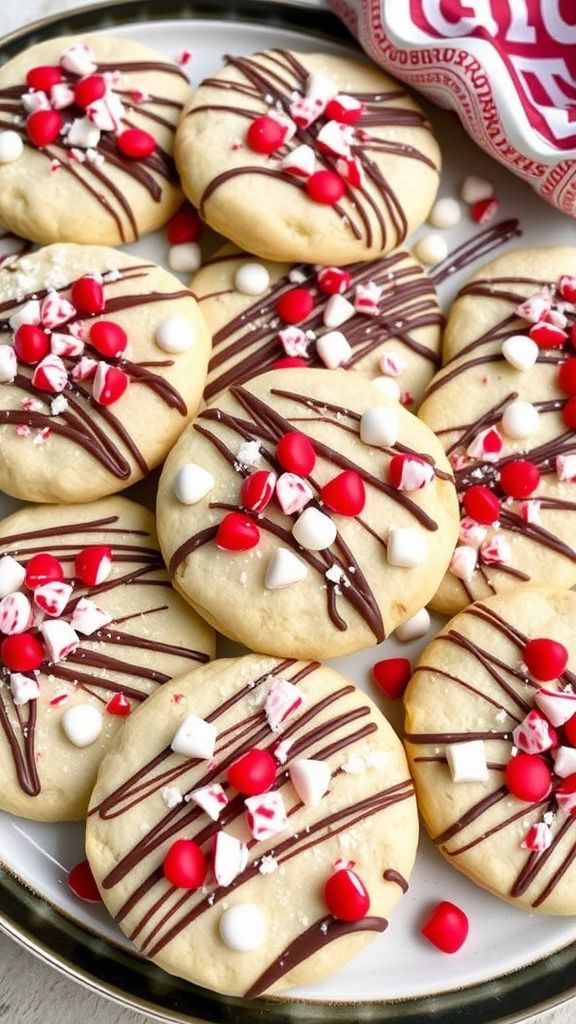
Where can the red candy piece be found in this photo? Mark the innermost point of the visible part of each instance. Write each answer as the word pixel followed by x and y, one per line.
pixel 83 884
pixel 43 127
pixel 325 187
pixel 567 376
pixel 546 335
pixel 43 568
pixel 346 896
pixel 295 453
pixel 565 794
pixel 519 478
pixel 569 731
pixel 237 533
pixel 87 294
pixel 343 113
pixel 447 927
pixel 295 305
pixel 409 472
pixel 89 89
pixel 265 134
pixel 484 210
pixel 569 413
pixel 185 226
pixel 22 652
pixel 546 659
pixel 567 287
pixel 42 78
pixel 185 864
pixel 289 363
pixel 119 705
pixel 528 777
pixel 253 773
pixel 345 494
pixel 136 143
pixel 108 338
pixel 31 344
pixel 110 383
pixel 257 490
pixel 392 676
pixel 92 565
pixel 482 504
pixel 333 280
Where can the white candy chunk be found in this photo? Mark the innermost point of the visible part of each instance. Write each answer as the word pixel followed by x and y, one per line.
pixel 566 468
pixel 211 799
pixel 389 387
pixel 175 334
pixel 185 258
pixel 558 706
pixel 107 113
pixel 335 138
pixel 83 133
pixel 337 311
pixel 195 738
pixel 463 562
pixel 564 761
pixel 392 363
pixel 431 249
pixel 300 162
pixel 23 688
pixel 417 625
pixel 472 533
pixel 266 815
pixel 87 617
pixel 192 483
pixel 520 419
pixel 12 575
pixel 8 364
pixel 61 96
pixel 15 613
pixel 367 298
pixel 79 59
pixel 82 724
pixel 474 188
pixel 29 313
pixel 407 547
pixel 313 530
pixel 284 569
pixel 496 550
pixel 171 796
pixel 249 455
pixel 11 147
pixel 520 351
pixel 380 426
pixel 60 638
pixel 282 749
pixel 35 100
pixel 294 341
pixel 310 779
pixel 467 761
pixel 333 348
pixel 58 405
pixel 282 701
pixel 445 213
pixel 252 278
pixel 53 597
pixel 229 857
pixel 566 800
pixel 243 927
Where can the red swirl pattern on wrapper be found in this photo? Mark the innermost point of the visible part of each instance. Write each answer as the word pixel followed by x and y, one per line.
pixel 507 67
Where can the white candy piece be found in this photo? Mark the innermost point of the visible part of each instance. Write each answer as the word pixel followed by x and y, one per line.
pixel 566 468
pixel 310 779
pixel 389 387
pixel 300 162
pixel 82 724
pixel 367 297
pixel 61 96
pixel 83 133
pixel 185 258
pixel 335 138
pixel 474 188
pixel 8 364
pixel 107 113
pixel 252 278
pixel 467 761
pixel 12 575
pixel 407 547
pixel 35 100
pixel 564 761
pixel 284 569
pixel 11 147
pixel 333 348
pixel 558 706
pixel 313 530
pixel 79 59
pixel 380 426
pixel 463 562
pixel 472 533
pixel 29 313
pixel 446 213
pixel 53 597
pixel 195 738
pixel 294 341
pixel 192 483
pixel 417 625
pixel 282 749
pixel 229 857
pixel 496 550
pixel 171 796
pixel 242 927
pixel 88 617
pixel 211 799
pixel 23 688
pixel 175 334
pixel 65 345
pixel 431 249
pixel 520 419
pixel 520 351
pixel 60 638
pixel 266 815
pixel 282 701
pixel 249 454
pixel 15 613
pixel 53 370
pixel 337 311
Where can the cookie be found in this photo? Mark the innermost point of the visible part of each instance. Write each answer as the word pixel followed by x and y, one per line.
pixel 89 627
pixel 103 359
pixel 308 157
pixel 386 313
pixel 281 825
pixel 86 136
pixel 491 741
pixel 305 515
pixel 503 406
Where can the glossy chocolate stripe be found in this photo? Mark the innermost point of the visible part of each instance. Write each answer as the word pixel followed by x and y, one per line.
pixel 24 758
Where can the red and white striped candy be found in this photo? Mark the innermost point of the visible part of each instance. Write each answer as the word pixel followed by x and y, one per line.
pixel 534 734
pixel 351 170
pixel 567 287
pixel 257 490
pixel 106 113
pixel 110 383
pixel 337 311
pixel 392 364
pixel 305 111
pixel 79 59
pixel 558 318
pixel 61 96
pixel 566 795
pixel 530 510
pixel 566 468
pixel 88 617
pixel 55 311
pixel 266 815
pixel 229 857
pixel 311 779
pixel 558 706
pixel 93 564
pixel 293 493
pixel 347 109
pixel 294 341
pixel 85 369
pixel 319 91
pixel 463 562
pixel 23 688
pixel 50 375
pixel 211 799
pixel 535 308
pixel 472 533
pixel 333 348
pixel 487 445
pixel 301 162
pixel 333 280
pixel 538 837
pixel 60 639
pixel 409 472
pixel 15 614
pixel 66 346
pixel 334 138
pixel 282 701
pixel 52 598
pixel 547 335
pixel 367 297
pixel 564 761
pixel 79 329
pixel 495 550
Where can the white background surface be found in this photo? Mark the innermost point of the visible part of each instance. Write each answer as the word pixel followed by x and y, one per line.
pixel 30 991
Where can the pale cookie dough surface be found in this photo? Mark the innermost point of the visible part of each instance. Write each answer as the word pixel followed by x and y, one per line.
pixel 534 538
pixel 350 596
pixel 87 450
pixel 400 341
pixel 250 199
pixel 367 816
pixel 470 684
pixel 151 636
pixel 94 194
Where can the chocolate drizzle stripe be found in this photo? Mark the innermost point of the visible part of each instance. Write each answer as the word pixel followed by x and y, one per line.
pixel 473 248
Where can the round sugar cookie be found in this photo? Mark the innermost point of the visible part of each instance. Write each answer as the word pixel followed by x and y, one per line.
pixel 307 157
pixel 305 514
pixel 95 119
pixel 103 359
pixel 336 807
pixel 503 407
pixel 89 627
pixel 386 312
pixel 491 745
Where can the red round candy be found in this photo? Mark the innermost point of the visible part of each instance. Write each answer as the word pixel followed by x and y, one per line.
pixel 325 187
pixel 119 705
pixel 528 777
pixel 289 363
pixel 567 787
pixel 43 127
pixel 43 568
pixel 546 659
pixel 89 89
pixel 257 490
pixel 87 295
pixel 569 414
pixel 482 504
pixel 42 78
pixel 346 896
pixel 31 344
pixel 569 731
pixel 237 533
pixel 22 652
pixel 185 226
pixel 567 376
pixel 295 453
pixel 392 676
pixel 265 134
pixel 333 280
pixel 253 773
pixel 345 494
pixel 114 386
pixel 447 927
pixel 185 864
pixel 92 565
pixel 108 338
pixel 547 335
pixel 136 143
pixel 295 305
pixel 519 478
pixel 83 884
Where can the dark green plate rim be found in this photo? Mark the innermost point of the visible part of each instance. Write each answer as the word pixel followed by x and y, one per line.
pixel 99 964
